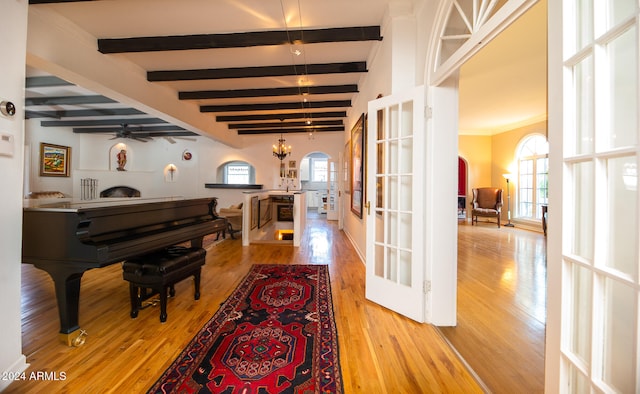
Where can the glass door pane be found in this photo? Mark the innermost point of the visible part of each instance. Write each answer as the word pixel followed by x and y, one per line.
pixel 394 268
pixel 332 187
pixel 601 275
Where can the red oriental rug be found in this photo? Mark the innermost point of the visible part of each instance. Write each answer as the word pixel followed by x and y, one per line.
pixel 275 334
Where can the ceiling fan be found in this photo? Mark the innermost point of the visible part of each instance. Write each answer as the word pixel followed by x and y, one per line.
pixel 132 133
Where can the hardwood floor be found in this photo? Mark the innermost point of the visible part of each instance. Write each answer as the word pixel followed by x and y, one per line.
pixel 380 351
pixel 501 306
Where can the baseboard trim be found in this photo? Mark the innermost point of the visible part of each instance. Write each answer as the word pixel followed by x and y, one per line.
pixel 18 367
pixel 473 373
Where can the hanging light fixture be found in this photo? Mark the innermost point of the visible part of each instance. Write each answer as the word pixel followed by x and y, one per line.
pixel 281 150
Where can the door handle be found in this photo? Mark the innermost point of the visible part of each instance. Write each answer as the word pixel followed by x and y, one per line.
pixel 368 205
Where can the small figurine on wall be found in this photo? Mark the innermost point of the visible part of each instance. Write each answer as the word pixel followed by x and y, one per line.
pixel 122 160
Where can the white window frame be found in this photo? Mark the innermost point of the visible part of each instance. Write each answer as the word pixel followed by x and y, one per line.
pixel 543 154
pixel 313 169
pixel 237 163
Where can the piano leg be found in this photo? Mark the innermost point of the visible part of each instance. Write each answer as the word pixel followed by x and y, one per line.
pixel 197 242
pixel 66 279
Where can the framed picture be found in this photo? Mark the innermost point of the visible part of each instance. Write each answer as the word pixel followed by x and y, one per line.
pixel 264 209
pixel 292 164
pixel 254 212
pixel 357 166
pixel 55 160
pixel 292 174
pixel 346 158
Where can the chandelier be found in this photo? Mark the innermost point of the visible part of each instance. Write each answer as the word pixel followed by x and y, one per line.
pixel 281 151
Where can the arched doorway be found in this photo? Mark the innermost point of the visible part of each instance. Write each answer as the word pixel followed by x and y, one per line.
pixel 314 176
pixel 462 188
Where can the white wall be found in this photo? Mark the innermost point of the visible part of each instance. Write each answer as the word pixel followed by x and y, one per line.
pixel 13 27
pixel 92 157
pixel 396 65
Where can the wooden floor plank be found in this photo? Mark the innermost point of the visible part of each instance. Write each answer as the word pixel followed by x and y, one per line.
pixel 381 352
pixel 501 306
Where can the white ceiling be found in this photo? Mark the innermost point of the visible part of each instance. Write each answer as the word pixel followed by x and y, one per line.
pixel 502 87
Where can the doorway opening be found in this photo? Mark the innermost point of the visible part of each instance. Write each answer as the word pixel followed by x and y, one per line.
pixel 501 272
pixel 314 176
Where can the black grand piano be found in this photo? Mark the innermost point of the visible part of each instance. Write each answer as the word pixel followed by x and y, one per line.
pixel 67 238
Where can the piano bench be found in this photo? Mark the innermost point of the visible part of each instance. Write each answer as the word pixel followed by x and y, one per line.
pixel 160 271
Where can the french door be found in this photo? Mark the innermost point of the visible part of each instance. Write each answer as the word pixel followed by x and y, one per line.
pixel 598 258
pixel 332 187
pixel 394 206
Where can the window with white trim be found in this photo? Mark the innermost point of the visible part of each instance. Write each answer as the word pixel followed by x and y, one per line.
pixel 237 173
pixel 533 179
pixel 318 170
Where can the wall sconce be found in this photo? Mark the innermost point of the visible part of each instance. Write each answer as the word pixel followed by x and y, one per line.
pixel 170 173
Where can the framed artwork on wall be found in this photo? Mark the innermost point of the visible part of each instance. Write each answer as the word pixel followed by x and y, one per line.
pixel 346 158
pixel 55 160
pixel 264 209
pixel 254 212
pixel 357 166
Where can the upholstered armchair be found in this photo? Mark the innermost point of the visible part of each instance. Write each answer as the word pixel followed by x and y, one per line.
pixel 233 214
pixel 487 202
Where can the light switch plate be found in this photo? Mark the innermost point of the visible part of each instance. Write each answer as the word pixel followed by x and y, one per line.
pixel 6 144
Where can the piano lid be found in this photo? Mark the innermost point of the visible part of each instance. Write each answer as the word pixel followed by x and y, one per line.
pixel 78 205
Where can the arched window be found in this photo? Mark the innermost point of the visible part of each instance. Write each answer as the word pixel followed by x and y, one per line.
pixel 237 173
pixel 533 176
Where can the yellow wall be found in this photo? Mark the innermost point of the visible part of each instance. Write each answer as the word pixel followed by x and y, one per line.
pixel 488 157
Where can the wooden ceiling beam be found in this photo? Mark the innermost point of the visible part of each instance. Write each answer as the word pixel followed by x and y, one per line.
pixel 268 92
pixel 67 100
pixel 101 122
pixel 56 1
pixel 159 130
pixel 256 72
pixel 83 113
pixel 41 114
pixel 45 82
pixel 279 116
pixel 275 106
pixel 295 130
pixel 238 40
pixel 337 122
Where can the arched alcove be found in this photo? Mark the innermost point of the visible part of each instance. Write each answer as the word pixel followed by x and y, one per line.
pixel 236 172
pixel 120 157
